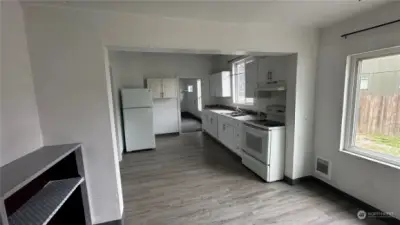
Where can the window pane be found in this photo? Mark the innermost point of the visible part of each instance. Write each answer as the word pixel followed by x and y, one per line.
pixel 199 98
pixel 378 121
pixel 239 84
pixel 241 88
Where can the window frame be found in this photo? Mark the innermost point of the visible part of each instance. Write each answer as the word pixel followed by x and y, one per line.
pixel 199 95
pixel 190 88
pixel 234 81
pixel 351 105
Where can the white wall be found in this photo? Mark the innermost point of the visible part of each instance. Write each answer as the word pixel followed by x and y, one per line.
pixel 68 62
pixel 134 67
pixel 73 101
pixel 20 127
pixel 373 183
pixel 116 68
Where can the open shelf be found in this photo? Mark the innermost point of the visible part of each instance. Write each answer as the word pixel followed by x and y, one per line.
pixel 39 209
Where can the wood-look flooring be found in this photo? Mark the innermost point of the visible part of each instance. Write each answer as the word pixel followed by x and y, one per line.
pixel 191 179
pixel 189 125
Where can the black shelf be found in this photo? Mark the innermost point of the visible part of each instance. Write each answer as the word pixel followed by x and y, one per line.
pixel 41 208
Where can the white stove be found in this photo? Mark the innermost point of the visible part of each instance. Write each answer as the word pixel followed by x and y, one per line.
pixel 263 145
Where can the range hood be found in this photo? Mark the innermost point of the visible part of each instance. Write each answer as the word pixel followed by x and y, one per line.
pixel 279 85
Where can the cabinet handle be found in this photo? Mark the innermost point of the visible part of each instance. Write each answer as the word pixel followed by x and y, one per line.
pixel 223 126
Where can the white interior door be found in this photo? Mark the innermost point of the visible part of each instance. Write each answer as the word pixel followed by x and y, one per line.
pixel 138 125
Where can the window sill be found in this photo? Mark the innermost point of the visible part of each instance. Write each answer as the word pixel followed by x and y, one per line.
pixel 363 155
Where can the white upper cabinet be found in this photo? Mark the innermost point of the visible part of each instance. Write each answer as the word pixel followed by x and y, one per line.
pixel 155 85
pixel 251 71
pixel 272 69
pixel 169 88
pixel 163 88
pixel 220 84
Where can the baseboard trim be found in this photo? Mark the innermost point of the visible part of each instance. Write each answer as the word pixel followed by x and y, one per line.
pixel 291 181
pixel 361 204
pixel 114 222
pixel 168 134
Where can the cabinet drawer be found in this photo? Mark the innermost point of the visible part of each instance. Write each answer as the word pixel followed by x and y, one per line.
pixel 256 166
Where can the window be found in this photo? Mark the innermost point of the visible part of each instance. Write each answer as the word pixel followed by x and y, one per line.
pixel 199 99
pixel 371 117
pixel 364 83
pixel 190 88
pixel 239 83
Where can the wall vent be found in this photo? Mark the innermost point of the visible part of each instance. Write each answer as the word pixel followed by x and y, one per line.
pixel 323 167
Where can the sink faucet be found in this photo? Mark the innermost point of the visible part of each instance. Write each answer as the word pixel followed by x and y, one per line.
pixel 238 109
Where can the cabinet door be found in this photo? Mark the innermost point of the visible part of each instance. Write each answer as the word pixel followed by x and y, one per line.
pixel 221 130
pixel 204 121
pixel 214 125
pixel 155 86
pixel 169 88
pixel 230 136
pixel 251 72
pixel 238 137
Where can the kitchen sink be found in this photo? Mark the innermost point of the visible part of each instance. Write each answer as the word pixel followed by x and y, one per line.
pixel 236 114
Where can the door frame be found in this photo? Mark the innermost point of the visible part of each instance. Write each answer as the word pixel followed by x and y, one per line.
pixel 179 97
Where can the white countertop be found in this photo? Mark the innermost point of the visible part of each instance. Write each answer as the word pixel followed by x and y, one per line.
pixel 240 118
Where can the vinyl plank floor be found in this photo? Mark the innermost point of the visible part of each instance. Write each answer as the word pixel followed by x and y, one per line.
pixel 190 125
pixel 191 179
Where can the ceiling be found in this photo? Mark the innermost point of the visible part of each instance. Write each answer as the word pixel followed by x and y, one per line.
pixel 314 13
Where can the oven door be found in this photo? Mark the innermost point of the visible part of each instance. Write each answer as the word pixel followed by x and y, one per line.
pixel 255 142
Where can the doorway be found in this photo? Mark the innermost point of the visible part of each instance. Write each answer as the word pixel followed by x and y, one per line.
pixel 191 104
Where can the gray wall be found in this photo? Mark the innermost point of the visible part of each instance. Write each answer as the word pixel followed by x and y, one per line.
pixel 20 127
pixel 376 184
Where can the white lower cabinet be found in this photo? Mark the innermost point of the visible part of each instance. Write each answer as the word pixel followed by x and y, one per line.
pixel 210 123
pixel 225 129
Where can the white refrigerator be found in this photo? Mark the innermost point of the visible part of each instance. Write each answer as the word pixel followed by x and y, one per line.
pixel 137 109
